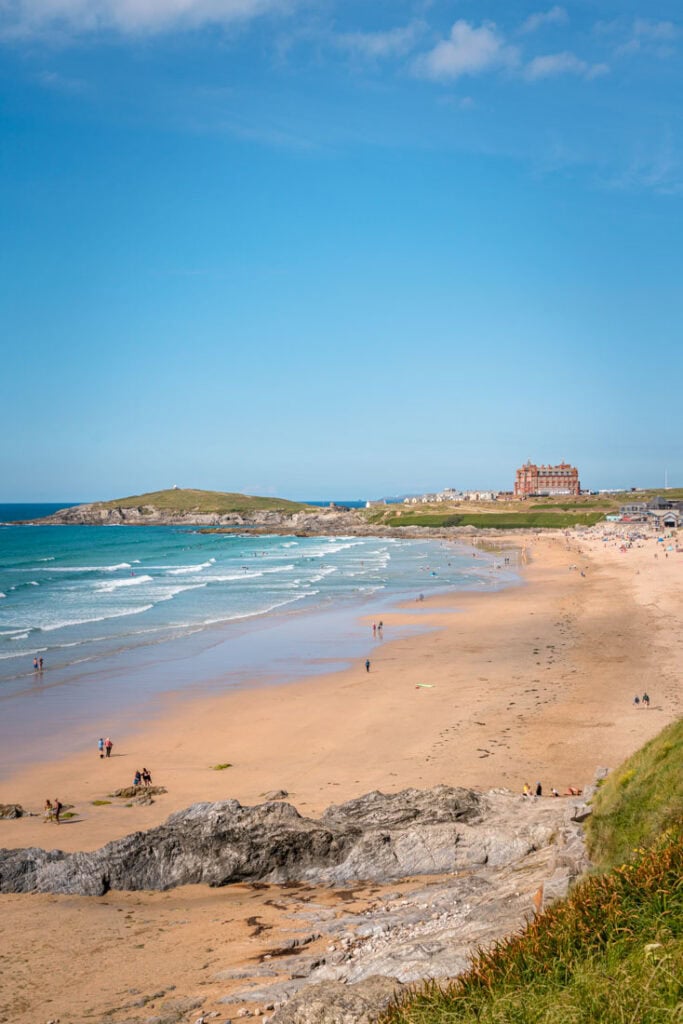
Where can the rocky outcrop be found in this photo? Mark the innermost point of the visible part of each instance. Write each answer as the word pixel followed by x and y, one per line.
pixel 330 520
pixel 134 792
pixel 377 837
pixel 11 811
pixel 336 1003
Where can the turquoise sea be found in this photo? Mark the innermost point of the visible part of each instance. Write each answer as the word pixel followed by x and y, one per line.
pixel 121 613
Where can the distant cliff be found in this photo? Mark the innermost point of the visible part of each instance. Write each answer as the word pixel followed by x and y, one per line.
pixel 192 507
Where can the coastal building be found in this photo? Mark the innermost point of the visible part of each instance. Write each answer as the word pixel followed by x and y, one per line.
pixel 547 480
pixel 480 496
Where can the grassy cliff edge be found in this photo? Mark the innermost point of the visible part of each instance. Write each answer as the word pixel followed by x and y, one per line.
pixel 613 950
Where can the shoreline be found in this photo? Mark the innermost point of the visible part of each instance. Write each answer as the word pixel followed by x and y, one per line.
pixel 57 714
pixel 496 687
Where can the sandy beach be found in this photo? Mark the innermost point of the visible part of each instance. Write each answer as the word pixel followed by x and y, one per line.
pixel 533 682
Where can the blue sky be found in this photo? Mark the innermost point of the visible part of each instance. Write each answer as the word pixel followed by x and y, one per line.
pixel 326 249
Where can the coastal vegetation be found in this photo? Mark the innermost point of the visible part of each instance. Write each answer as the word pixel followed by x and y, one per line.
pixel 197 502
pixel 640 800
pixel 613 950
pixel 493 520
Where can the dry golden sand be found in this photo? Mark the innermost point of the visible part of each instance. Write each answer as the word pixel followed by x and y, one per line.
pixel 532 682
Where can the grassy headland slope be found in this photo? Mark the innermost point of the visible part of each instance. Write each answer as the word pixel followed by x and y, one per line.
pixel 517 519
pixel 640 800
pixel 613 950
pixel 195 502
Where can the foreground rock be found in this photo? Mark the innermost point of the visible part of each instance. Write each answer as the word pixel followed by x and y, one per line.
pixel 11 811
pixel 377 837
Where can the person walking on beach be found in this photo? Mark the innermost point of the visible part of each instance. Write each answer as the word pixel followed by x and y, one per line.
pixel 646 700
pixel 367 665
pixel 56 810
pixel 146 777
pixel 539 789
pixel 35 664
pixel 40 664
pixel 100 746
pixel 48 811
pixel 374 629
pixel 107 746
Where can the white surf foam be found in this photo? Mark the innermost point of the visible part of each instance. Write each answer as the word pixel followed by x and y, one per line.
pixel 95 618
pixel 185 569
pixel 132 581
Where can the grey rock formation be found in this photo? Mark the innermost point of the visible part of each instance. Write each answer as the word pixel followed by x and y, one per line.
pixel 335 1003
pixel 376 837
pixel 11 811
pixel 134 792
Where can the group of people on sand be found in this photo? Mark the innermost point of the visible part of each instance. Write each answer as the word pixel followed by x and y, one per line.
pixel 52 810
pixel 644 700
pixel 104 747
pixel 531 794
pixel 142 778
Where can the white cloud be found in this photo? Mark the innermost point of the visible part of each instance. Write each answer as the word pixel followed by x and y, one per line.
pixel 555 16
pixel 395 42
pixel 28 17
pixel 659 30
pixel 467 51
pixel 60 83
pixel 564 63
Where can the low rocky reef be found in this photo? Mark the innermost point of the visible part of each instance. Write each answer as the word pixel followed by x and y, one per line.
pixel 375 837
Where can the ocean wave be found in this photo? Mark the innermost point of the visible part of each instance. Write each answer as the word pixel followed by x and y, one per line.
pixel 2 595
pixel 327 571
pixel 50 558
pixel 259 611
pixel 131 581
pixel 95 618
pixel 113 568
pixel 184 569
pixel 170 592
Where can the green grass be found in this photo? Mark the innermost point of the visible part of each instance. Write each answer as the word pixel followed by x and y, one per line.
pixel 612 952
pixel 497 520
pixel 100 803
pixel 641 799
pixel 221 767
pixel 203 502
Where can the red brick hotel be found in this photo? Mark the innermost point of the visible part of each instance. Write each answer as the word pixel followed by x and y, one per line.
pixel 547 480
